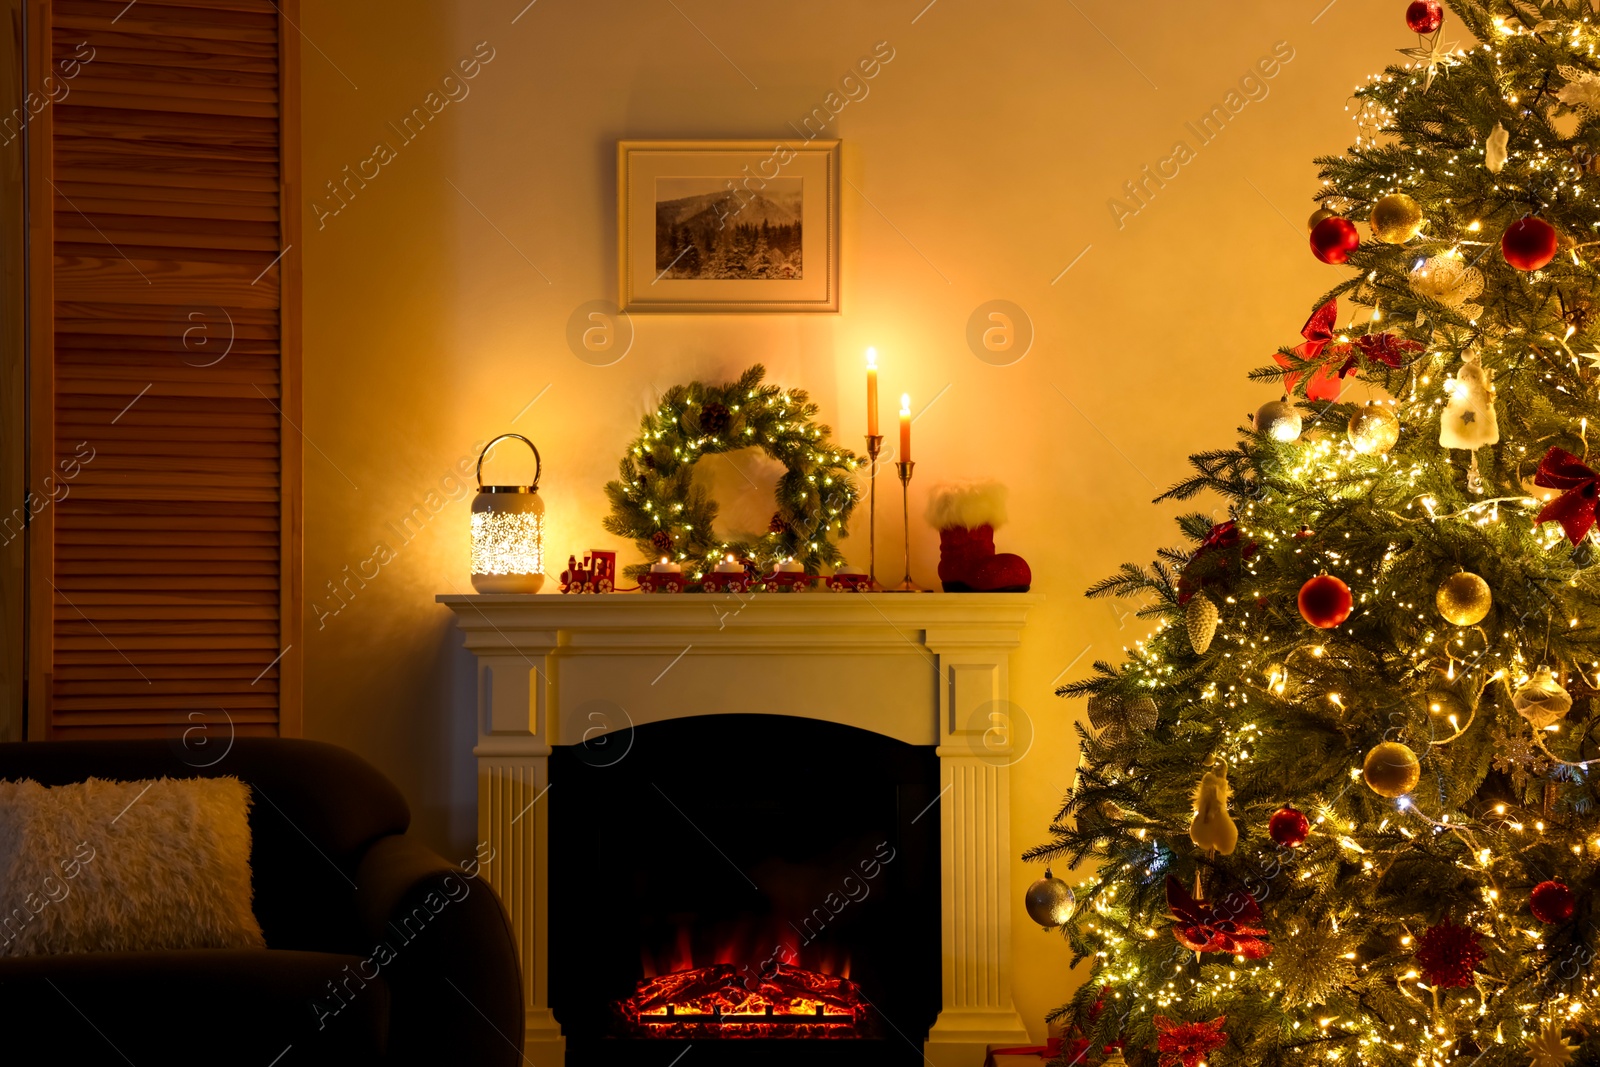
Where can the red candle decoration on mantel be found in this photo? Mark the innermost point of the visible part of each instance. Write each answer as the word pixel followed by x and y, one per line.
pixel 905 427
pixel 872 392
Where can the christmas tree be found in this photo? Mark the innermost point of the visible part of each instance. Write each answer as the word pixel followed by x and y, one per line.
pixel 1340 807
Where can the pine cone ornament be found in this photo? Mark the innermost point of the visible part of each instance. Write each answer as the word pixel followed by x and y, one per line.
pixel 1448 954
pixel 1200 618
pixel 777 523
pixel 661 541
pixel 714 418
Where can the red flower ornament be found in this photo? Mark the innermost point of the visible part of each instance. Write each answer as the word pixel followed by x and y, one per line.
pixel 1217 561
pixel 1226 925
pixel 1188 1044
pixel 1386 348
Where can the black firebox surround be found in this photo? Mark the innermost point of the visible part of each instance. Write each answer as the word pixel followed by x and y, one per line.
pixel 724 829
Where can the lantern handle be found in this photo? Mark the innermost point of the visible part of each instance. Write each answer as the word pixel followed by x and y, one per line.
pixel 538 464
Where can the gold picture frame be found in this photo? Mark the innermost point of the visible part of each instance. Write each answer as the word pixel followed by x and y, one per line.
pixel 728 226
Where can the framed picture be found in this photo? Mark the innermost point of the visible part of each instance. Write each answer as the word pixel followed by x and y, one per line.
pixel 728 225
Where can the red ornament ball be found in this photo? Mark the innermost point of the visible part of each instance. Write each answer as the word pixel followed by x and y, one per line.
pixel 1552 902
pixel 1425 16
pixel 1325 602
pixel 1288 827
pixel 1333 239
pixel 1448 954
pixel 1529 243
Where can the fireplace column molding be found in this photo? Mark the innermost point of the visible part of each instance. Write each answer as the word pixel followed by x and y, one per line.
pixel 513 753
pixel 930 669
pixel 976 749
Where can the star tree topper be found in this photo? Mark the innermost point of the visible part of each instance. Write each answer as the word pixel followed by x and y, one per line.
pixel 1431 54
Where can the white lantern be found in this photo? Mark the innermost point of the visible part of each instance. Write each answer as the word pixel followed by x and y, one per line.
pixel 508 531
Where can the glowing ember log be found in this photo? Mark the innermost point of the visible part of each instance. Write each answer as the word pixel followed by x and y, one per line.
pixel 729 1001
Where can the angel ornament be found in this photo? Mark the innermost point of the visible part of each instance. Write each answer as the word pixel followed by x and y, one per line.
pixel 1213 829
pixel 1469 420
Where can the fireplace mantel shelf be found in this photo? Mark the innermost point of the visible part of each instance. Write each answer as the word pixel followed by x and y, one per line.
pixel 864 615
pixel 927 669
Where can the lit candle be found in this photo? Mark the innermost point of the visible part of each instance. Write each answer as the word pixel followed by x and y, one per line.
pixel 905 427
pixel 872 392
pixel 790 566
pixel 666 566
pixel 730 566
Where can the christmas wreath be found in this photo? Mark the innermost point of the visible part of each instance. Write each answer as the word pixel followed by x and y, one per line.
pixel 656 504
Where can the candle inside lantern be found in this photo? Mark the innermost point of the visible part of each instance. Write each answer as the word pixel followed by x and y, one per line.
pixel 666 566
pixel 905 427
pixel 730 566
pixel 872 392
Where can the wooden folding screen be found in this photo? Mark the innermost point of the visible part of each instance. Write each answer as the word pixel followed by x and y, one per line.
pixel 164 568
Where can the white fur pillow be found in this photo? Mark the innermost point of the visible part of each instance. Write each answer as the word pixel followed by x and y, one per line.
pixel 102 866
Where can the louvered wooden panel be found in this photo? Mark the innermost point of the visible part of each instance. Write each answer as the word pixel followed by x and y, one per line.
pixel 166 575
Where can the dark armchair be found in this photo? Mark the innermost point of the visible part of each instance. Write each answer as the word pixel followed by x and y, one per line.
pixel 378 950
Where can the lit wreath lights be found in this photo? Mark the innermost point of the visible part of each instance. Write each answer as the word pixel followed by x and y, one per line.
pixel 656 504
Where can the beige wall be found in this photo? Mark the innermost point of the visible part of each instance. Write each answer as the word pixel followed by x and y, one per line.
pixel 982 161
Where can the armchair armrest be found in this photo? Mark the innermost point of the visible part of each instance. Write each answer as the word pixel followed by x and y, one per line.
pixel 443 943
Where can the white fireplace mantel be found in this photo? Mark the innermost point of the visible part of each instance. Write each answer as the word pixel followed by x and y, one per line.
pixel 927 669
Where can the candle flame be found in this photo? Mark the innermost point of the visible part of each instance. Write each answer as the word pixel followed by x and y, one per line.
pixel 872 359
pixel 905 403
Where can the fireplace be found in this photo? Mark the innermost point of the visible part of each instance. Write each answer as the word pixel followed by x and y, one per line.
pixel 873 679
pixel 754 885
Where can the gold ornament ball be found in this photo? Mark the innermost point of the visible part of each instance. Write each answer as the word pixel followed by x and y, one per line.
pixel 1049 901
pixel 1279 420
pixel 1464 599
pixel 1317 216
pixel 1373 428
pixel 1391 770
pixel 1396 219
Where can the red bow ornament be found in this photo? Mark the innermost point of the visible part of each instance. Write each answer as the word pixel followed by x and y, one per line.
pixel 1188 1043
pixel 1324 383
pixel 1574 508
pixel 1226 925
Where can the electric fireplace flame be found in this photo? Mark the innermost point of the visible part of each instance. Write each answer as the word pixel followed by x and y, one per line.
pixel 779 1000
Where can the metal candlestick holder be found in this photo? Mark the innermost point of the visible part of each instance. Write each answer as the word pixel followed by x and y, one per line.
pixel 904 470
pixel 874 447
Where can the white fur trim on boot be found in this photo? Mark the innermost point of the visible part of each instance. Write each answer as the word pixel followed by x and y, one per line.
pixel 967 504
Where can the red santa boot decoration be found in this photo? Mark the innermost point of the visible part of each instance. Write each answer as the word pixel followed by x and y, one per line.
pixel 966 517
